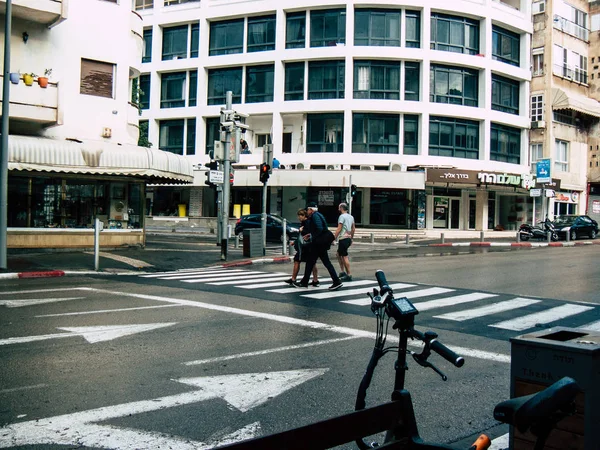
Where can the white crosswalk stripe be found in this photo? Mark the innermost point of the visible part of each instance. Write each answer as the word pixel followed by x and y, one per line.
pixel 543 317
pixel 324 285
pixel 414 294
pixel 451 301
pixel 347 292
pixel 200 276
pixel 593 326
pixel 253 279
pixel 494 308
pixel 181 272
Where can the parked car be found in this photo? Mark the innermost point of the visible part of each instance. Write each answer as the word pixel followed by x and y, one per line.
pixel 274 227
pixel 575 226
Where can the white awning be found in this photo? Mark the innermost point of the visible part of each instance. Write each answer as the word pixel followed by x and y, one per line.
pixel 580 103
pixel 97 158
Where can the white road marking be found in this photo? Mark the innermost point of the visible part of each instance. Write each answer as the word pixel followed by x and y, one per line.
pixel 38 291
pixel 90 334
pixel 451 301
pixel 102 311
pixel 181 272
pixel 500 443
pixel 414 294
pixel 199 276
pixel 544 317
pixel 266 285
pixel 347 292
pixel 593 326
pixel 123 259
pixel 241 391
pixel 494 308
pixel 246 275
pixel 34 301
pixel 266 352
pixel 252 279
pixel 23 388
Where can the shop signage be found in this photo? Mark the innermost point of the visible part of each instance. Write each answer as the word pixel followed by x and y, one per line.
pixel 525 181
pixel 567 197
pixel 596 206
pixel 552 184
pixel 535 193
pixel 326 198
pixel 542 170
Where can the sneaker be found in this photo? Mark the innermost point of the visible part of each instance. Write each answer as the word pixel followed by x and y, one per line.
pixel 290 282
pixel 300 284
pixel 336 286
pixel 346 278
pixel 341 274
pixel 315 283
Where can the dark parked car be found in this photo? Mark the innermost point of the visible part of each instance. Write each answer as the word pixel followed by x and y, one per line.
pixel 274 227
pixel 576 226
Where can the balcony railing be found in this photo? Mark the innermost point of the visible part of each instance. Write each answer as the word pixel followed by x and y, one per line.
pixel 33 104
pixel 571 73
pixel 566 26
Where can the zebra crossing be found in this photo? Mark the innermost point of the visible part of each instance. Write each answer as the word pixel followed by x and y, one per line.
pixel 447 305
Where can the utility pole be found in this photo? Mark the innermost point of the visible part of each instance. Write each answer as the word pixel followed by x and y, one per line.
pixel 4 146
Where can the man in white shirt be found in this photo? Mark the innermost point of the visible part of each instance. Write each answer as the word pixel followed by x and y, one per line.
pixel 344 233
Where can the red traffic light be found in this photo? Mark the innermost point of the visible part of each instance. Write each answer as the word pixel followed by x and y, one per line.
pixel 264 172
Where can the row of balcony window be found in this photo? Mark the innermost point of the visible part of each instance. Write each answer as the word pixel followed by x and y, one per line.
pixel 373 27
pixel 371 133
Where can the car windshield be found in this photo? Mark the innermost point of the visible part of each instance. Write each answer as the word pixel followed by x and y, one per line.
pixel 564 220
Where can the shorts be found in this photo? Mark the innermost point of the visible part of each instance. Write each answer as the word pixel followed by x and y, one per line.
pixel 343 246
pixel 301 252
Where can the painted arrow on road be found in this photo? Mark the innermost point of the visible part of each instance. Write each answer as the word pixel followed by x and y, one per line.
pixel 90 334
pixel 241 391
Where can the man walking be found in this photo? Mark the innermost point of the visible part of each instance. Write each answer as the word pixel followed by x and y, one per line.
pixel 345 233
pixel 318 235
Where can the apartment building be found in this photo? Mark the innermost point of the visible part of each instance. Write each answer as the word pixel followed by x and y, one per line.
pixel 564 107
pixel 593 203
pixel 72 145
pixel 423 105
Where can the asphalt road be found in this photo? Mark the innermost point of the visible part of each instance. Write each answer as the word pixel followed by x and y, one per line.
pixel 188 360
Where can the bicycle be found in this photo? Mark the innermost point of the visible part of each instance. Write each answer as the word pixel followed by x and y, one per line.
pixel 537 413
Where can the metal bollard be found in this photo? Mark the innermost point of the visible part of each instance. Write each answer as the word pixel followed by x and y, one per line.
pixel 442 237
pixel 284 238
pixel 481 236
pixel 407 238
pixel 237 241
pixel 372 238
pixel 568 234
pixel 518 237
pixel 548 236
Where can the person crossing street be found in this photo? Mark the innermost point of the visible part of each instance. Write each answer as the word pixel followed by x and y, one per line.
pixel 344 233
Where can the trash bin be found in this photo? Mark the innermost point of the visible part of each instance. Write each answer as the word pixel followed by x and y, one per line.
pixel 541 358
pixel 253 245
pixel 181 207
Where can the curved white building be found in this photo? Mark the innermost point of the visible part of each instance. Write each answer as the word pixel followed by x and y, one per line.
pixel 424 105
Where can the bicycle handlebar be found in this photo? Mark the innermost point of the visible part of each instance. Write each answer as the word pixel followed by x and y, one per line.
pixel 384 287
pixel 435 345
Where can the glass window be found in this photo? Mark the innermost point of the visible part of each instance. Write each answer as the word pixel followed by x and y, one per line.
pixel 375 133
pixel 411 134
pixel 147 52
pixel 191 137
pixel 413 29
pixel 222 80
pixel 144 91
pixel 456 138
pixel 457 86
pixel 325 133
pixel 377 80
pixel 537 107
pixel 172 90
pixel 505 95
pixel 454 34
pixel 175 42
pixel 295 31
pixel 538 64
pixel 213 126
pixel 505 46
pixel 226 37
pixel 377 27
pixel 412 80
pixel 505 145
pixel 259 83
pixel 561 156
pixel 327 27
pixel 325 79
pixel 195 42
pixel 294 81
pixel 143 4
pixel 193 91
pixel 178 2
pixel 171 135
pixel 261 33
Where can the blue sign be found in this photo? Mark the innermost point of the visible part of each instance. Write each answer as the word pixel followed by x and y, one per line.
pixel 542 171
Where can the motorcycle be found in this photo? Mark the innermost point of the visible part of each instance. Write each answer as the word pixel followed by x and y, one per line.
pixel 527 231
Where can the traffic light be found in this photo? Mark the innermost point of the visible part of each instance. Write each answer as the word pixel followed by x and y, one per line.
pixel 213 165
pixel 264 172
pixel 353 189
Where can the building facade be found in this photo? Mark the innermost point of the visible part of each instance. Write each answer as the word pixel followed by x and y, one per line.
pixel 72 150
pixel 424 105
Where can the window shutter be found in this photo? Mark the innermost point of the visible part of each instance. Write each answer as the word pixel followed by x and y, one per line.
pixel 97 78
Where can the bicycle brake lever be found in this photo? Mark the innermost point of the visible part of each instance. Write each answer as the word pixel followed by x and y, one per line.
pixel 423 362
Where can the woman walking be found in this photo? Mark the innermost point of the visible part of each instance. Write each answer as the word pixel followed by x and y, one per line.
pixel 302 251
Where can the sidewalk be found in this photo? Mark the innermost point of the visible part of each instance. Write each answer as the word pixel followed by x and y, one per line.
pixel 190 249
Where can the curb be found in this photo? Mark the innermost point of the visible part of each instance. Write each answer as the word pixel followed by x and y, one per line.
pixel 38 274
pixel 515 244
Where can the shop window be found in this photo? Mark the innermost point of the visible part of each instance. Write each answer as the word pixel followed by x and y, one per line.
pixel 97 78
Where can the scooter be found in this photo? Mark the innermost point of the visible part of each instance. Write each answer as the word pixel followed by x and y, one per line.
pixel 526 231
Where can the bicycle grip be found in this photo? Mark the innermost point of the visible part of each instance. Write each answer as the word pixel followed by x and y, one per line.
pixel 447 354
pixel 383 284
pixel 483 442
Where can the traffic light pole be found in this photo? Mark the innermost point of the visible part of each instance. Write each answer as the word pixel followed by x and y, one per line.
pixel 226 185
pixel 350 198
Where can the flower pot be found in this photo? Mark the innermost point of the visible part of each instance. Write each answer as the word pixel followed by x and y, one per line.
pixel 27 79
pixel 43 82
pixel 15 77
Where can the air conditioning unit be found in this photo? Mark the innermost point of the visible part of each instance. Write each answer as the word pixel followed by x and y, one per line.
pixel 333 167
pixel 538 7
pixel 367 167
pixel 538 124
pixel 346 167
pixel 301 166
pixel 395 167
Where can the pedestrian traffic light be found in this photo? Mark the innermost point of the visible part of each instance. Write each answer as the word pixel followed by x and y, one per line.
pixel 353 189
pixel 264 172
pixel 213 165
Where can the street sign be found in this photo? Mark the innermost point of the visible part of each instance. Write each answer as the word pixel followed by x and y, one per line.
pixel 542 171
pixel 535 193
pixel 216 176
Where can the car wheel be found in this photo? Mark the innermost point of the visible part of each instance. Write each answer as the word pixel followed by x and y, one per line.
pixel 573 235
pixel 593 234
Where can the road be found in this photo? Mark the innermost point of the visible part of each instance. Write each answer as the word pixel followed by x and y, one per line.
pixel 200 358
